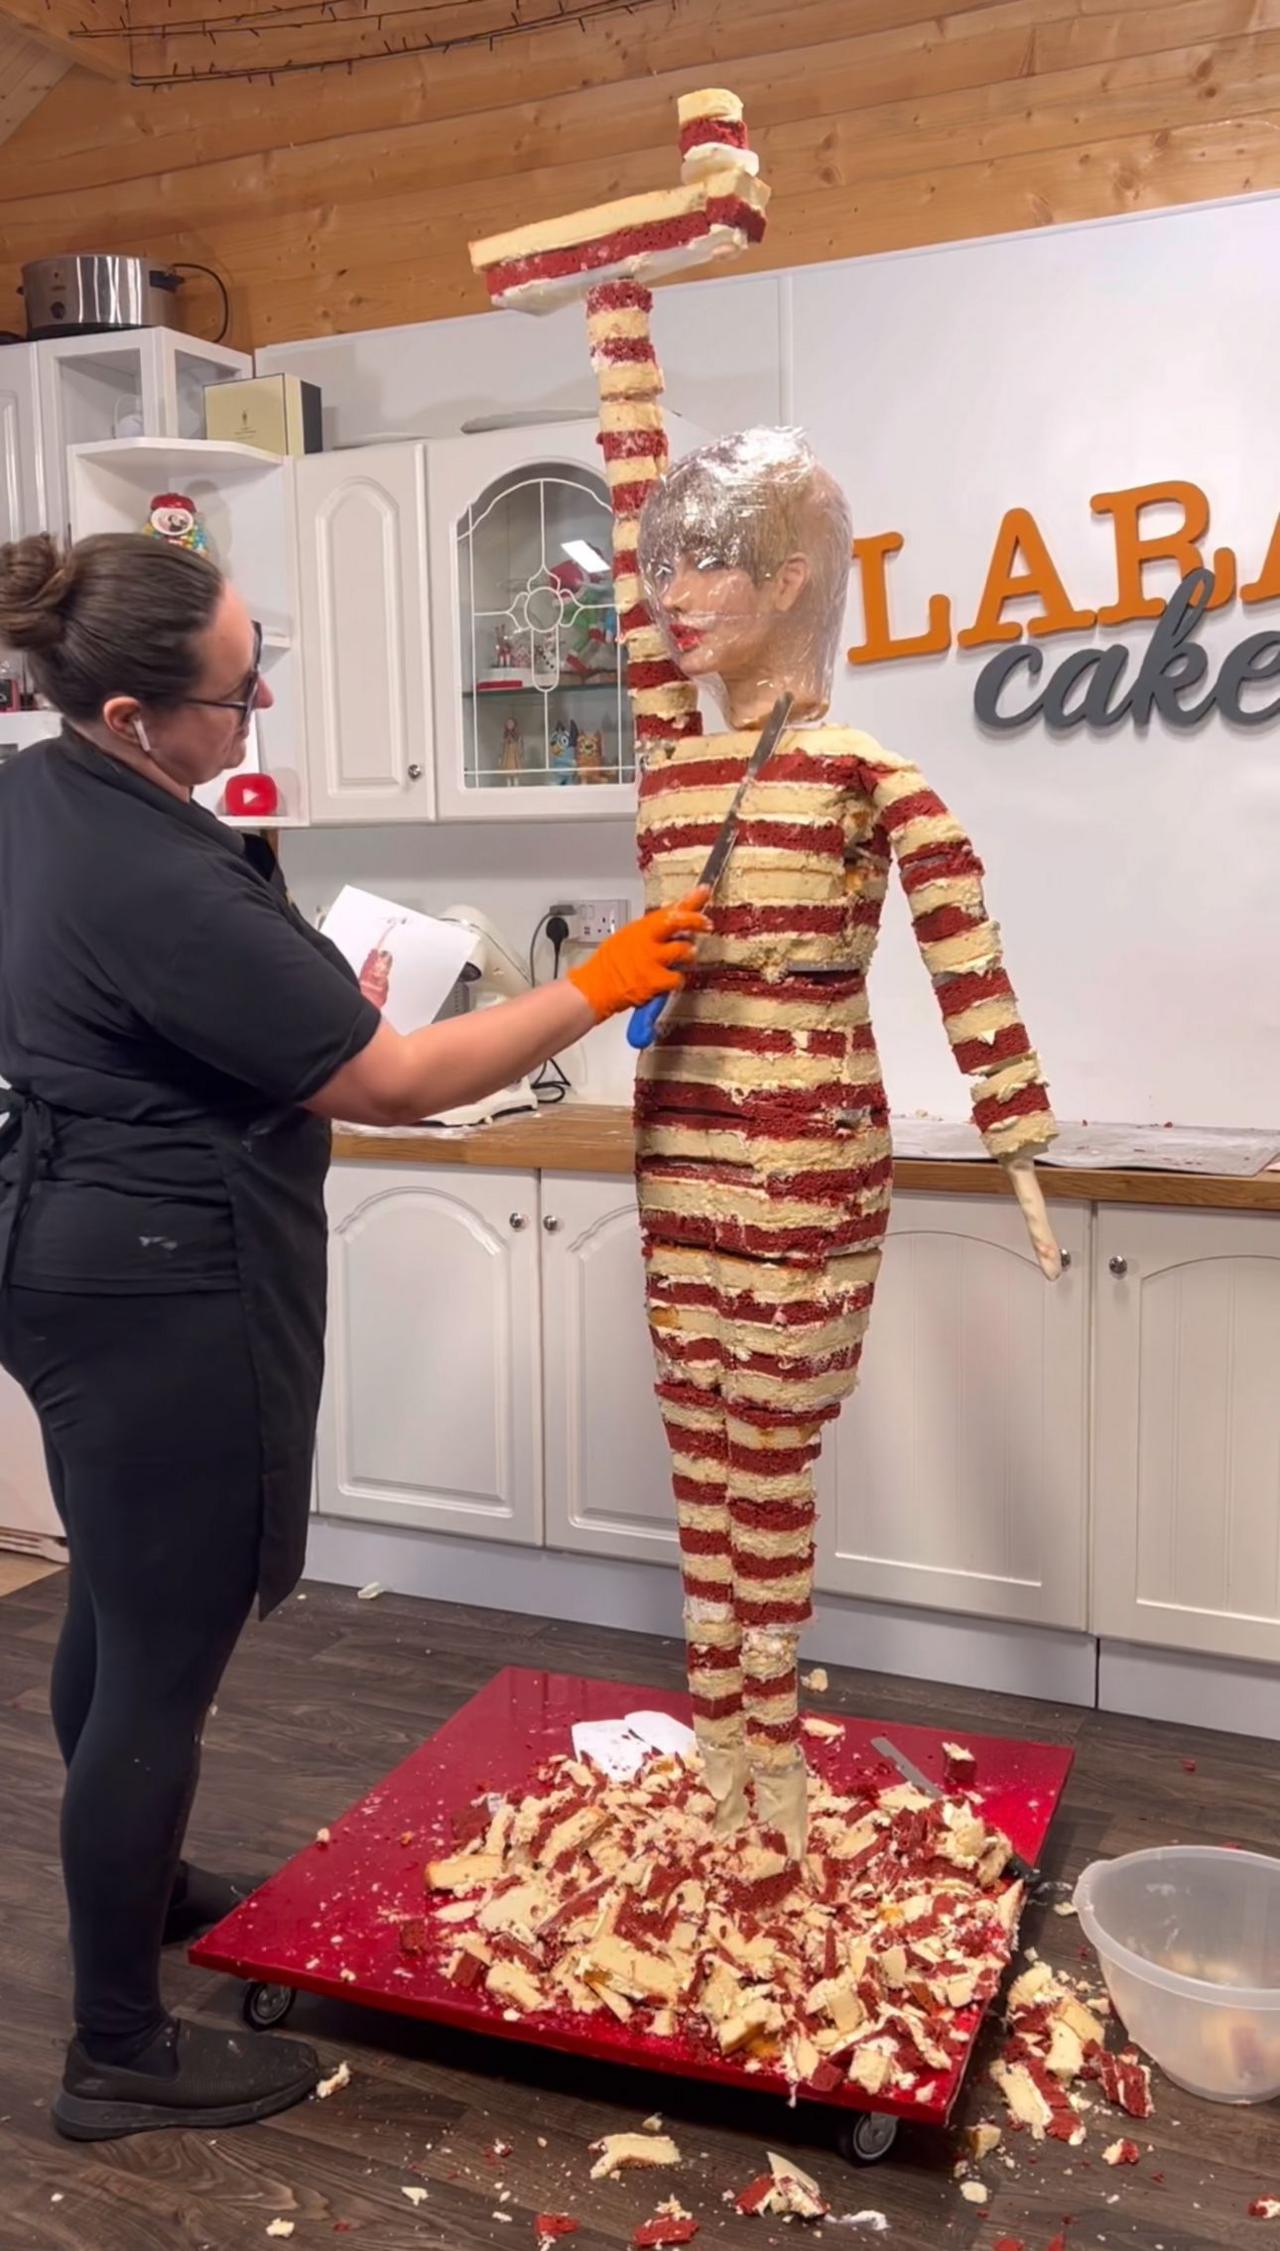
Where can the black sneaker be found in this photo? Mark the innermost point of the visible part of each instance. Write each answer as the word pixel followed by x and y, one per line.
pixel 204 2077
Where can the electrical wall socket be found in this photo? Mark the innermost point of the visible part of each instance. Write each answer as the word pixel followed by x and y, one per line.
pixel 591 920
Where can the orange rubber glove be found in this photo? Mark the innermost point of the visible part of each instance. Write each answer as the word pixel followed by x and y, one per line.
pixel 642 959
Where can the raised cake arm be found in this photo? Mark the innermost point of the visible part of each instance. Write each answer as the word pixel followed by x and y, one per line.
pixel 960 947
pixel 607 255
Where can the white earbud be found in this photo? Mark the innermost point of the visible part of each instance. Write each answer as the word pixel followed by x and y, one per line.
pixel 140 736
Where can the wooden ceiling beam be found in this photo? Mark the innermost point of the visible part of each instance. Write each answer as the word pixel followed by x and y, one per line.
pixel 61 27
pixel 165 42
pixel 28 71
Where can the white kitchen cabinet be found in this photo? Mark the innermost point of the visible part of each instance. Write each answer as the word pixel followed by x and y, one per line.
pixel 532 717
pixel 143 382
pixel 608 1467
pixel 533 720
pixel 432 1412
pixel 26 1504
pixel 21 464
pixel 366 634
pixel 957 1476
pixel 1186 1539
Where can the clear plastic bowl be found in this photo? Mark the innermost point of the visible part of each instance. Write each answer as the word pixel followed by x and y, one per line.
pixel 1189 1941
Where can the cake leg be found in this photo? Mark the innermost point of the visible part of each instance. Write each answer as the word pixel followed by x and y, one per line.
pixel 771 1517
pixel 695 1428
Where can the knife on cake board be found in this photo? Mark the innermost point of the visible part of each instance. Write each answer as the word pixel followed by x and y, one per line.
pixel 1015 1865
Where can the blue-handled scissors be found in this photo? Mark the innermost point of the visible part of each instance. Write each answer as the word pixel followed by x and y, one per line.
pixel 642 1029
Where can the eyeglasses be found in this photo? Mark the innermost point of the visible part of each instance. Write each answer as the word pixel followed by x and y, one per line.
pixel 243 704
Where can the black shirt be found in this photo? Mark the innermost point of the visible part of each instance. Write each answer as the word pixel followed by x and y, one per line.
pixel 169 1010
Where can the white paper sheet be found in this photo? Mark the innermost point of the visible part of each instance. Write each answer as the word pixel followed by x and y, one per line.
pixel 620 1747
pixel 662 1733
pixel 610 1745
pixel 419 957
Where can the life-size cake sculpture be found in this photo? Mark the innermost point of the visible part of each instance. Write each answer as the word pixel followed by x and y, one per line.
pixel 762 1136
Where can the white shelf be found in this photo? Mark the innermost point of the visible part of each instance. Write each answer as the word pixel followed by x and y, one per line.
pixel 255 821
pixel 206 457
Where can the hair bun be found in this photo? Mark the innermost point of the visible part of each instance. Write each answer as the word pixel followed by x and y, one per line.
pixel 36 578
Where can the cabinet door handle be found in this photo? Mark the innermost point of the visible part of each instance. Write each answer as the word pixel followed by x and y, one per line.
pixel 1119 1266
pixel 518 1220
pixel 552 1224
pixel 1065 1257
pixel 414 773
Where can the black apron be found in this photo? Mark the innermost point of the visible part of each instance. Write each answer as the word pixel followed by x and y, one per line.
pixel 273 1166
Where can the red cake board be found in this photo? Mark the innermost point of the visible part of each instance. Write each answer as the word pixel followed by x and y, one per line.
pixel 337 1908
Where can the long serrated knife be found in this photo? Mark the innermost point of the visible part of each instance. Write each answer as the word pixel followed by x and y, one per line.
pixel 643 1027
pixel 911 1773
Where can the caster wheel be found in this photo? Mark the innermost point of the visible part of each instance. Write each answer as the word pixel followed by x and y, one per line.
pixel 864 2140
pixel 267 2005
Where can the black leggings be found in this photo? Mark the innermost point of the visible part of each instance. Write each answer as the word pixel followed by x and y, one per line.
pixel 149 1413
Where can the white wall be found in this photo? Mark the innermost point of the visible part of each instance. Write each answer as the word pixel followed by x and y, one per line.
pixel 1134 876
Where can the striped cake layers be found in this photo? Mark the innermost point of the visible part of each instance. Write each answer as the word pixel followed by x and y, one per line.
pixel 751 1561
pixel 961 949
pixel 808 880
pixel 771 1696
pixel 623 358
pixel 785 896
pixel 638 237
pixel 804 1383
pixel 746 1514
pixel 713 131
pixel 745 1307
pixel 728 1563
pixel 632 436
pixel 780 1173
pixel 688 1204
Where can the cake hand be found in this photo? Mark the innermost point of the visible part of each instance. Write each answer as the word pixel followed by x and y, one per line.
pixel 1026 1187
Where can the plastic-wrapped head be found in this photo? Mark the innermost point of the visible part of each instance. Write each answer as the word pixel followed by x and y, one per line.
pixel 745 549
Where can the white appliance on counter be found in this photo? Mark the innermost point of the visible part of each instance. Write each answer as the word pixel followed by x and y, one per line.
pixel 491 974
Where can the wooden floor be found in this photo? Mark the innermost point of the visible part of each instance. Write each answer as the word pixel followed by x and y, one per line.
pixel 319 1703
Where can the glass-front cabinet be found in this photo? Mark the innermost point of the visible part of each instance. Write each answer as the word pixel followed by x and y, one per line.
pixel 459 633
pixel 544 704
pixel 532 715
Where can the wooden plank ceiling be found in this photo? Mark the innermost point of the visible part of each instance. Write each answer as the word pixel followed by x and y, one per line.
pixel 341 198
pixel 29 70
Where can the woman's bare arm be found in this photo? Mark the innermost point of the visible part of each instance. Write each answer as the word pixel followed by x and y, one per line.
pixel 400 1078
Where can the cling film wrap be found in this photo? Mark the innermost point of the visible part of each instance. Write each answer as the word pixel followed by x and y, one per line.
pixel 744 561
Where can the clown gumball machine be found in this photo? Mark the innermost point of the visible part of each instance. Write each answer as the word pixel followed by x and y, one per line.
pixel 763 1156
pixel 173 516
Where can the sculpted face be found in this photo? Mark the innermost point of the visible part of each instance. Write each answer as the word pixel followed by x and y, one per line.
pixel 721 624
pixel 744 554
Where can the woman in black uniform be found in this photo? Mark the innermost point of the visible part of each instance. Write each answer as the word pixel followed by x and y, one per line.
pixel 176 1038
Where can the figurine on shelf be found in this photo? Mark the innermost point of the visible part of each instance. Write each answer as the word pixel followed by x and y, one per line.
pixel 564 753
pixel 174 517
pixel 511 764
pixel 504 653
pixel 590 757
pixel 586 648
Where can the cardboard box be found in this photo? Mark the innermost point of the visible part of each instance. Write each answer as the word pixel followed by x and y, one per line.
pixel 279 413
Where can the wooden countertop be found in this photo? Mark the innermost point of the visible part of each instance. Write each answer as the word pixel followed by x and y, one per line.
pixel 593 1138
